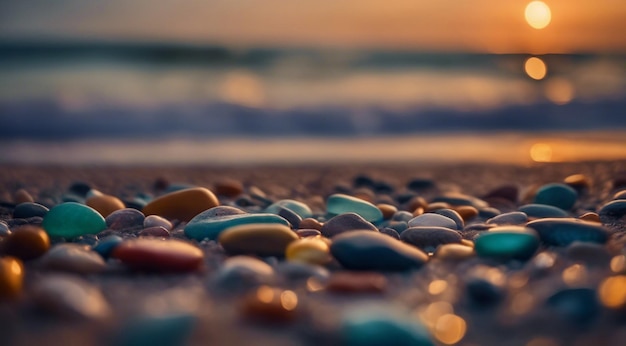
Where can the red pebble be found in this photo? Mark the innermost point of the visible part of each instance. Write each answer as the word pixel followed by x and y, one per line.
pixel 152 254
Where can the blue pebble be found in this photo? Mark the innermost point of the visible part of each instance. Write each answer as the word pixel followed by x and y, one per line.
pixel 557 195
pixel 168 330
pixel 341 204
pixel 106 245
pixel 375 328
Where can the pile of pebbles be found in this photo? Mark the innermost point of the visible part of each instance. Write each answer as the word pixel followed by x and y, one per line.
pixel 365 262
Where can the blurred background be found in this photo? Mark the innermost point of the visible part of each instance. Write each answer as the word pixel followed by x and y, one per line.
pixel 283 81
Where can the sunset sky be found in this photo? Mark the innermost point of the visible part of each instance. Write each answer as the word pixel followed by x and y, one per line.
pixel 443 25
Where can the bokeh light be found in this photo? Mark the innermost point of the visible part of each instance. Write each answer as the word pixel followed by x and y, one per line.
pixel 559 90
pixel 450 329
pixel 612 292
pixel 541 152
pixel 574 275
pixel 538 14
pixel 535 68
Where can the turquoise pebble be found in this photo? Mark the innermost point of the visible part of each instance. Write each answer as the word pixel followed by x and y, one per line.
pixel 562 232
pixel 168 330
pixel 557 195
pixel 201 227
pixel 299 208
pixel 372 328
pixel 542 210
pixel 106 245
pixel 507 242
pixel 340 204
pixel 70 219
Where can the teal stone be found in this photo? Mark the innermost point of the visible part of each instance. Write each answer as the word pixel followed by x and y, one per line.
pixel 340 204
pixel 297 207
pixel 373 328
pixel 507 242
pixel 557 195
pixel 542 210
pixel 71 219
pixel 201 227
pixel 168 330
pixel 562 232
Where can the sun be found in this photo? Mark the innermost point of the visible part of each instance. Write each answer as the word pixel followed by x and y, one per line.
pixel 538 14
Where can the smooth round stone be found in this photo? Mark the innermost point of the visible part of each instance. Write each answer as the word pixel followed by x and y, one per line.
pixel 578 181
pixel 260 239
pixel 70 296
pixel 613 212
pixel 29 209
pixel 4 229
pixel 467 212
pixel 562 232
pixel 432 220
pixel 512 218
pixel 388 210
pixel 507 192
pixel 365 250
pixel 398 226
pixel 22 196
pixel 105 204
pixel 297 207
pixel 125 219
pixel 293 218
pixel 507 242
pixel 70 219
pixel 487 213
pixel 346 223
pixel 156 231
pixel 375 326
pixel 228 188
pixel 73 258
pixel 162 330
pixel 575 305
pixel 312 250
pixel 357 282
pixel 152 254
pixel 157 221
pixel 242 273
pixel 79 188
pixel 310 223
pixel 542 211
pixel 11 277
pixel 270 305
pixel 557 195
pixel 308 232
pixel 26 242
pixel 106 245
pixel 402 216
pixel 340 204
pixel 454 252
pixel 428 238
pixel 183 204
pixel 299 271
pixel 484 292
pixel 419 184
pixel 590 216
pixel 620 195
pixel 203 226
pixel 460 199
pixel 589 253
pixel 390 232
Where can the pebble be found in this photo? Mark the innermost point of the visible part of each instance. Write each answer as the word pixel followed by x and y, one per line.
pixel 29 209
pixel 542 211
pixel 483 292
pixel 489 212
pixel 579 306
pixel 310 223
pixel 434 220
pixel 259 239
pixel 590 216
pixel 11 277
pixel 300 271
pixel 71 219
pixel 613 212
pixel 308 232
pixel 458 199
pixel 467 212
pixel 125 219
pixel 22 196
pixel 156 231
pixel 507 192
pixel 579 182
pixel 390 232
pixel 512 218
pixel 507 242
pixel 105 246
pixel 558 195
pixel 388 210
pixel 365 250
pixel 589 253
pixel 26 242
pixel 620 195
pixel 289 215
pixel 230 188
pixel 428 238
pixel 157 221
pixel 562 232
pixel 454 252
pixel 4 229
pixel 171 329
pixel 297 207
pixel 312 250
pixel 243 273
pixel 73 258
pixel 419 184
pixel 346 222
pixel 70 297
pixel 105 204
pixel 340 204
pixel 79 188
pixel 270 305
pixel 402 215
pixel 183 204
pixel 153 254
pixel 356 282
pixel 210 227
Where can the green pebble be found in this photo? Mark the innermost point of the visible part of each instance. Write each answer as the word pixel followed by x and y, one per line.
pixel 71 219
pixel 507 242
pixel 373 328
pixel 558 195
pixel 201 227
pixel 340 204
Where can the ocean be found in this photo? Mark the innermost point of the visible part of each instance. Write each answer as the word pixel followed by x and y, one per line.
pixel 165 103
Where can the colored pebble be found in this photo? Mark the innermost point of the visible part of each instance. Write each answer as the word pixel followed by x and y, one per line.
pixel 29 209
pixel 542 211
pixel 157 221
pixel 402 216
pixel 73 258
pixel 311 250
pixel 578 306
pixel 390 232
pixel 357 282
pixel 620 195
pixel 512 218
pixel 454 252
pixel 106 245
pixel 4 229
pixel 164 330
pixel 260 239
pixel 156 231
pixel 432 219
pixel 308 232
pixel 183 204
pixel 26 242
pixel 22 196
pixel 71 219
pixel 11 277
pixel 562 232
pixel 105 204
pixel 242 273
pixel 506 192
pixel 297 207
pixel 125 219
pixel 152 254
pixel 467 212
pixel 346 223
pixel 70 297
pixel 590 216
pixel 202 227
pixel 507 242
pixel 365 250
pixel 428 238
pixel 613 212
pixel 419 184
pixel 270 305
pixel 579 182
pixel 558 195
pixel 300 271
pixel 228 188
pixel 289 215
pixel 458 199
pixel 340 204
pixel 79 188
pixel 388 210
pixel 310 223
